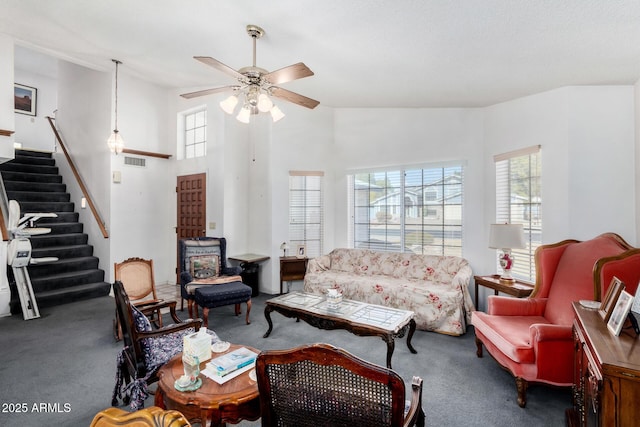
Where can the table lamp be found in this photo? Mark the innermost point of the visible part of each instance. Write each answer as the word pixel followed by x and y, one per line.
pixel 284 247
pixel 506 237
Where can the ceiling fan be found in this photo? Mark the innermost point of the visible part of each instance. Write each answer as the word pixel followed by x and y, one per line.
pixel 256 85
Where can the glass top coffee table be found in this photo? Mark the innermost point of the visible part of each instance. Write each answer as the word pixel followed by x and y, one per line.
pixel 357 317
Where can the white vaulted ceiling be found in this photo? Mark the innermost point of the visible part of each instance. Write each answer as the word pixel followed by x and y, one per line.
pixel 365 53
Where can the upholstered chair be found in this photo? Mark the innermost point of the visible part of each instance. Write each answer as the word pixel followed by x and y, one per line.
pixel 532 337
pixel 214 249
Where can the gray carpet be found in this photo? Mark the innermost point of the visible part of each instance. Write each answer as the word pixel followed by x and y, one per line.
pixel 59 369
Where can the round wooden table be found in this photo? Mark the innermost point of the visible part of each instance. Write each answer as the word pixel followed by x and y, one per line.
pixel 231 402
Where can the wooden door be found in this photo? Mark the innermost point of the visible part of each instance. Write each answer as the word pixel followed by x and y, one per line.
pixel 192 201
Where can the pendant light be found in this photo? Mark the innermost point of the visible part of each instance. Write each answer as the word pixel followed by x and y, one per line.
pixel 115 141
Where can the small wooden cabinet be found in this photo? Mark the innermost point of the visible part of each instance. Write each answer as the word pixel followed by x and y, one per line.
pixel 292 268
pixel 606 388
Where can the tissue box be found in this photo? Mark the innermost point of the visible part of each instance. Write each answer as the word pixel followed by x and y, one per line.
pixel 197 345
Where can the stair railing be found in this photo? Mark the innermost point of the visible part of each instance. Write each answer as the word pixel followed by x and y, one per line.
pixel 83 188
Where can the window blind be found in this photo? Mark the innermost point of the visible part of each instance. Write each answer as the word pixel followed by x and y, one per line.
pixel 519 201
pixel 306 211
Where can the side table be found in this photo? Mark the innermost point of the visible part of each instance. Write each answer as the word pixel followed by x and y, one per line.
pixel 518 289
pixel 231 402
pixel 250 270
pixel 292 268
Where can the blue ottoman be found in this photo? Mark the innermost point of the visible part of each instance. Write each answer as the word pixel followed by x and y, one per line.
pixel 225 294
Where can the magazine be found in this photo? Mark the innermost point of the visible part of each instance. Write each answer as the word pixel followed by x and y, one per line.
pixel 232 361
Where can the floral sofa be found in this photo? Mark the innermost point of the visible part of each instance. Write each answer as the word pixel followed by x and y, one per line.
pixel 434 287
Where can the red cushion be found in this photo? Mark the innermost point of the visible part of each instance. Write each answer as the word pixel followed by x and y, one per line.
pixel 509 334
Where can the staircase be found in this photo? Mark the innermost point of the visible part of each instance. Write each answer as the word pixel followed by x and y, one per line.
pixel 32 180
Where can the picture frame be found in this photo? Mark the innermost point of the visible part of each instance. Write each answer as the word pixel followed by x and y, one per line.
pixel 301 251
pixel 620 313
pixel 635 307
pixel 25 99
pixel 609 301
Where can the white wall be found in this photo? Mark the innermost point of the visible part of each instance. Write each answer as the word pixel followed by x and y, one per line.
pixel 586 134
pixel 34 132
pixel 7 116
pixel 84 104
pixel 141 216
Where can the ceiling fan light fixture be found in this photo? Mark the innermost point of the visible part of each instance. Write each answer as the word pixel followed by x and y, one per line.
pixel 244 114
pixel 229 104
pixel 264 103
pixel 276 113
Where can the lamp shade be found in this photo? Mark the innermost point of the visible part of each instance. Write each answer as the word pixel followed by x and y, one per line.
pixel 229 104
pixel 506 236
pixel 284 246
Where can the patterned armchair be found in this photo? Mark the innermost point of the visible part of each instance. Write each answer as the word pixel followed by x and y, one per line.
pixel 145 349
pixel 203 258
pixel 532 337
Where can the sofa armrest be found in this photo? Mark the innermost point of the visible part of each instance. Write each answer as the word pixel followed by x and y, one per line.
pixel 462 280
pixel 541 332
pixel 507 306
pixel 318 264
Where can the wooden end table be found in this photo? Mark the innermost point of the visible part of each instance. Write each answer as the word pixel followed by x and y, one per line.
pixel 231 402
pixel 517 288
pixel 292 268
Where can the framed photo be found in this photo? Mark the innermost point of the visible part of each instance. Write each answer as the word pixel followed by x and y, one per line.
pixel 301 251
pixel 620 312
pixel 635 307
pixel 25 99
pixel 609 301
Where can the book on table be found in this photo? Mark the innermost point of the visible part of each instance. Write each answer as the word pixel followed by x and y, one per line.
pixel 232 361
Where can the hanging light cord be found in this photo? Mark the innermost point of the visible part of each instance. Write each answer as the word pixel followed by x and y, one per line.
pixel 117 62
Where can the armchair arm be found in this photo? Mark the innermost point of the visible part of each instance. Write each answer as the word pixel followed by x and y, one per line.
pixel 415 415
pixel 554 347
pixel 506 306
pixel 462 280
pixel 148 309
pixel 231 271
pixel 318 264
pixel 190 323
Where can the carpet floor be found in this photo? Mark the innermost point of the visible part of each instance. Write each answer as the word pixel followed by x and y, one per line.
pixel 60 369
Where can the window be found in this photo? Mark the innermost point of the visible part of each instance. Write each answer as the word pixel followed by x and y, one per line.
pixel 519 201
pixel 408 210
pixel 306 206
pixel 195 134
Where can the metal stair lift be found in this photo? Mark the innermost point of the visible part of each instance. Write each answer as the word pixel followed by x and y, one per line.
pixel 19 254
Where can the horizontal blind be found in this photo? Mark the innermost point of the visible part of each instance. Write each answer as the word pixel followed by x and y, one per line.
pixel 306 211
pixel 518 201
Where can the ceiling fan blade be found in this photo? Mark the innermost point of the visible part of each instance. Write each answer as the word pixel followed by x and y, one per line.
pixel 288 74
pixel 296 98
pixel 209 91
pixel 219 66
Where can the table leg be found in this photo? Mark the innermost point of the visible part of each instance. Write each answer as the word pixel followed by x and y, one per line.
pixel 158 400
pixel 412 329
pixel 391 345
pixel 476 283
pixel 267 315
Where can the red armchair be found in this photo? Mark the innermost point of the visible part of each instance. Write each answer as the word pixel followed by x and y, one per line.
pixel 532 337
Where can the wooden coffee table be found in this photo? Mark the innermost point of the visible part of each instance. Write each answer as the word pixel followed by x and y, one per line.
pixel 231 402
pixel 357 317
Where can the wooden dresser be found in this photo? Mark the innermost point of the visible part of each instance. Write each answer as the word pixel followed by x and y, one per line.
pixel 606 390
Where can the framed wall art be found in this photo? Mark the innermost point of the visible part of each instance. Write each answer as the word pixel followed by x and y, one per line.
pixel 620 312
pixel 609 301
pixel 25 99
